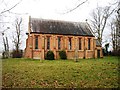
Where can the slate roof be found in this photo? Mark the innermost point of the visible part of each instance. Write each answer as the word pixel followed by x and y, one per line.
pixel 59 27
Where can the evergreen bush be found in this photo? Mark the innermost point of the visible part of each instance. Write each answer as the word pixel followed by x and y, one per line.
pixel 49 55
pixel 62 54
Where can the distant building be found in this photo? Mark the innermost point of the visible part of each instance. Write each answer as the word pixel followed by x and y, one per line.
pixel 45 35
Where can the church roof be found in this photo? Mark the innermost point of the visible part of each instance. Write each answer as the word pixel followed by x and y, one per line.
pixel 45 26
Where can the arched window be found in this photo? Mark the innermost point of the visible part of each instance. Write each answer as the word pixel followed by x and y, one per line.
pixel 36 42
pixel 69 43
pixel 48 42
pixel 80 44
pixel 89 43
pixel 59 43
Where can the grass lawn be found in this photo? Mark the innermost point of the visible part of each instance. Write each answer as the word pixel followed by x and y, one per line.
pixel 29 73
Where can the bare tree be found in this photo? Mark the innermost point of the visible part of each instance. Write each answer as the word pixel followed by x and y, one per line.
pixel 99 20
pixel 114 36
pixel 5 10
pixel 115 29
pixel 18 32
pixel 118 25
pixel 5 43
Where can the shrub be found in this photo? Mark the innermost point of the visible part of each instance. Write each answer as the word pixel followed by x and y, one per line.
pixel 5 55
pixel 62 54
pixel 17 54
pixel 49 55
pixel 115 53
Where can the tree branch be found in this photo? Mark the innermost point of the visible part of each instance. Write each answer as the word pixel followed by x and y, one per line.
pixel 76 7
pixel 10 8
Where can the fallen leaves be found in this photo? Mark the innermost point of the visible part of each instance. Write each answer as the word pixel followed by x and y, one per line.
pixel 60 74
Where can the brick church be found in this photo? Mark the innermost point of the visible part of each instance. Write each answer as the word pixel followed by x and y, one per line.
pixel 75 38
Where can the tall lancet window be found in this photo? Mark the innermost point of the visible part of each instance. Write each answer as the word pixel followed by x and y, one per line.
pixel 59 43
pixel 69 43
pixel 48 42
pixel 36 42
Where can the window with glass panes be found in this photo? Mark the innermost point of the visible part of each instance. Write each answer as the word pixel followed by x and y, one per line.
pixel 70 44
pixel 80 44
pixel 59 42
pixel 48 42
pixel 88 43
pixel 36 42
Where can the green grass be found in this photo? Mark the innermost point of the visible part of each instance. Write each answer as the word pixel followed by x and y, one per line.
pixel 29 73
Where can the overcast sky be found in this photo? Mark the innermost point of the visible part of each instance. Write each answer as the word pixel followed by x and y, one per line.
pixel 50 9
pixel 54 9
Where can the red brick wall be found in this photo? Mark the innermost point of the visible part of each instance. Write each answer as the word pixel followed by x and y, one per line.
pixel 31 52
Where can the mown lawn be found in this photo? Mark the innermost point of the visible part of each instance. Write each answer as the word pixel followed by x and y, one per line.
pixel 28 73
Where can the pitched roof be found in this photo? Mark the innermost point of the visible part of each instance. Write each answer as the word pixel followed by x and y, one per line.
pixel 59 27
